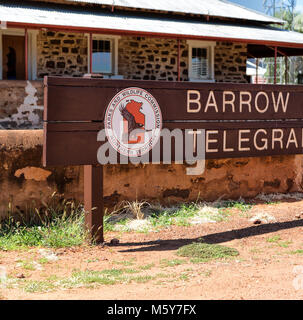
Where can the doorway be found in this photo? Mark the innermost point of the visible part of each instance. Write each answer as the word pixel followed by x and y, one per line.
pixel 13 64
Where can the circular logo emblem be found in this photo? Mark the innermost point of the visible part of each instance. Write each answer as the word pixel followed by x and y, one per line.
pixel 133 122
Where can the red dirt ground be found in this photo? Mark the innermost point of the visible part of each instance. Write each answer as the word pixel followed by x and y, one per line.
pixel 263 270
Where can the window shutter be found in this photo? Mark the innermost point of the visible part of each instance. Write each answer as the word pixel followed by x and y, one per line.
pixel 200 67
pixel 200 63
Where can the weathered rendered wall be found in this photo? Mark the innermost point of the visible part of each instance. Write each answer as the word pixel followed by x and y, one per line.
pixel 24 184
pixel 21 104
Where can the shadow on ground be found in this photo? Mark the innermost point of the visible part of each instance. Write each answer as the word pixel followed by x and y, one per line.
pixel 215 238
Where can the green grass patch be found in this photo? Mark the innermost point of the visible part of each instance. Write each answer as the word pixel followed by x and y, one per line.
pixel 94 277
pixel 231 204
pixel 206 273
pixel 126 263
pixel 43 260
pixel 273 239
pixel 186 214
pixel 92 260
pixel 39 286
pixel 277 240
pixel 203 252
pixel 27 265
pixel 171 263
pixel 147 266
pixel 299 251
pixel 87 278
pixel 272 203
pixel 284 244
pixel 184 277
pixel 142 279
pixel 174 216
pixel 54 226
pixel 256 250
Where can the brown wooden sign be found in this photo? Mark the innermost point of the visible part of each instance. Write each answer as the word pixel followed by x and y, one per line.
pixel 240 120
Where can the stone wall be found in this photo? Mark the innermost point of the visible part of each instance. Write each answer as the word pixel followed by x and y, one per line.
pixel 230 62
pixel 156 59
pixel 25 184
pixel 61 53
pixel 152 59
pixel 139 58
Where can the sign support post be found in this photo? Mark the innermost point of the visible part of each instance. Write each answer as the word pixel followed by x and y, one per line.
pixel 93 201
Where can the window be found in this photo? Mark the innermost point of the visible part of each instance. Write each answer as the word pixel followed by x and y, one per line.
pixel 104 54
pixel 201 60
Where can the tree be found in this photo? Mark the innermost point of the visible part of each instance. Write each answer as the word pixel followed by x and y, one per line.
pixel 293 21
pixel 298 23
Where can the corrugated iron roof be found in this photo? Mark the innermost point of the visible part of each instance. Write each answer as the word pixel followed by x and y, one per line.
pixel 216 8
pixel 106 22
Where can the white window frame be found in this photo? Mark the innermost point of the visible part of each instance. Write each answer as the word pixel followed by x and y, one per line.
pixel 32 50
pixel 210 46
pixel 115 46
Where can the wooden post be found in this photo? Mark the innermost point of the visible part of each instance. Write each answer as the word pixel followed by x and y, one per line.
pixel 286 70
pixel 275 71
pixel 90 53
pixel 179 58
pixel 93 201
pixel 257 70
pixel 26 53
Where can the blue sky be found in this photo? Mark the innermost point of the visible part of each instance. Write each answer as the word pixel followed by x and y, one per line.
pixel 300 5
pixel 258 4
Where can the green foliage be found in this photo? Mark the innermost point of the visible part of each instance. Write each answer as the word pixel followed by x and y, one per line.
pixel 299 251
pixel 287 16
pixel 158 217
pixel 147 266
pixel 175 216
pixel 273 239
pixel 277 240
pixel 293 21
pixel 171 263
pixel 298 23
pixel 86 278
pixel 130 262
pixel 54 226
pixel 240 205
pixel 39 286
pixel 203 252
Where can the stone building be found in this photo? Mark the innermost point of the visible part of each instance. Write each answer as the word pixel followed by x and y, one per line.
pixel 158 40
